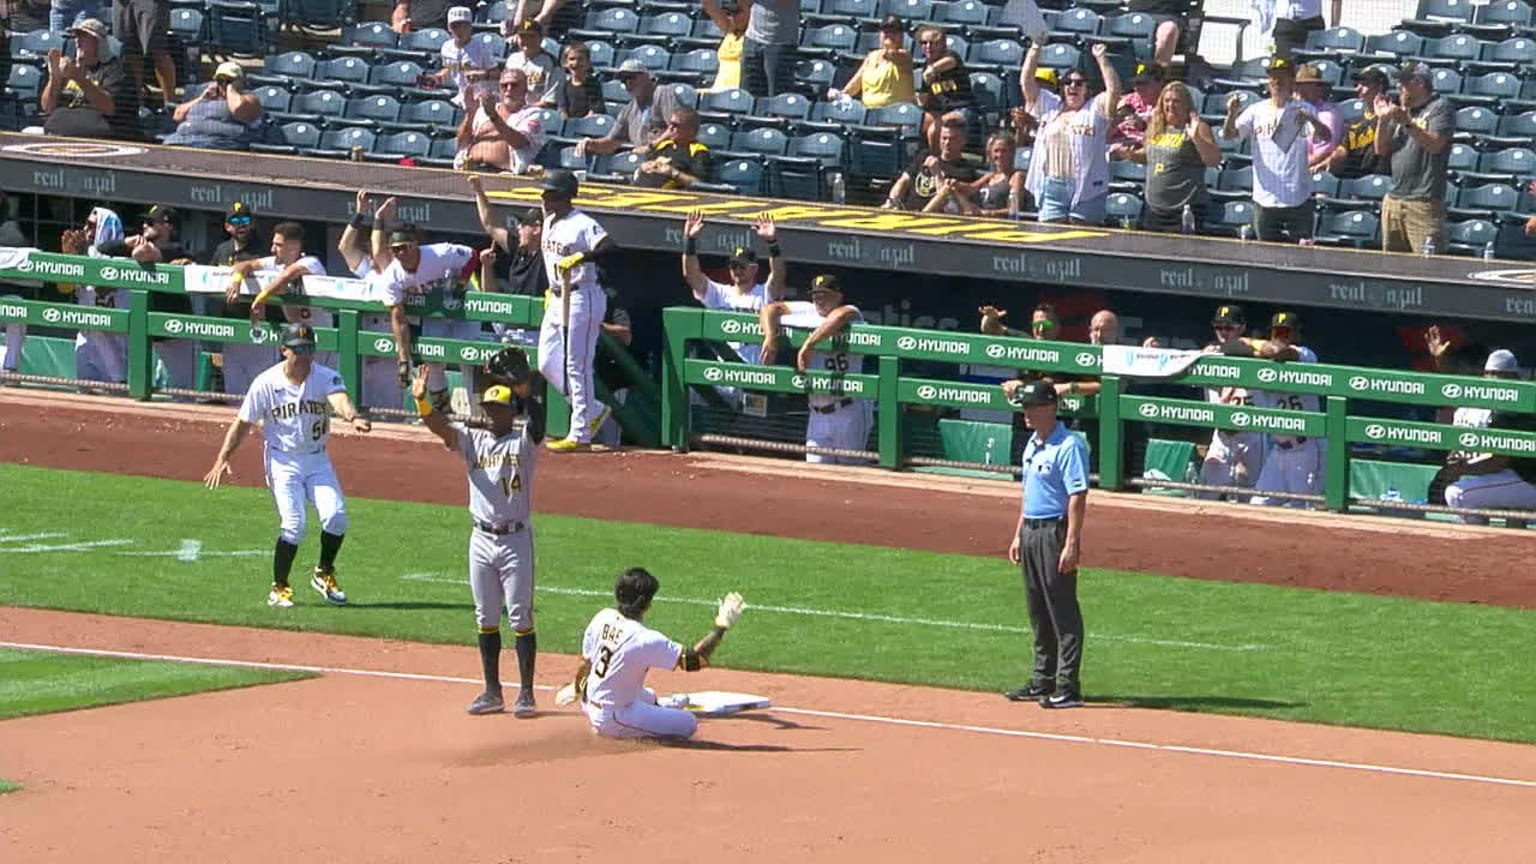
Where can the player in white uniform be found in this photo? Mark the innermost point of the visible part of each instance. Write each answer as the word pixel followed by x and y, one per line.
pixel 290 401
pixel 1486 480
pixel 291 264
pixel 1294 463
pixel 573 243
pixel 500 463
pixel 417 269
pixel 835 422
pixel 380 388
pixel 98 356
pixel 1233 458
pixel 618 650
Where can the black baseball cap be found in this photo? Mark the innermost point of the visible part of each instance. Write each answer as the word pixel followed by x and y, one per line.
pixel 1285 320
pixel 1230 314
pixel 239 210
pixel 530 217
pixel 159 213
pixel 1036 394
pixel 560 183
pixel 298 336
pixel 1374 76
pixel 743 257
pixel 1281 65
pixel 826 283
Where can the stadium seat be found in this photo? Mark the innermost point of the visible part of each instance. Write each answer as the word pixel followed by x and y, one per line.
pixel 273 98
pixel 1326 186
pixel 781 111
pixel 319 14
pixel 420 46
pixel 913 11
pixel 286 69
pixel 1357 228
pixel 189 25
pixel 1330 70
pixel 443 153
pixel 1127 176
pixel 602 54
pixel 847 12
pixel 1331 43
pixel 704 35
pixel 1075 24
pixel 400 145
pixel 1521 128
pixel 961 13
pixel 1471 237
pixel 991 94
pixel 1395 44
pixel 1446 81
pixel 339 74
pixel 614 92
pixel 365 40
pixel 576 128
pixel 1122 208
pixel 498 46
pixel 288 138
pixel 1474 122
pixel 1235 184
pixel 1463 157
pixel 425 117
pixel 827 42
pixel 662 29
pixel 696 67
pixel 757 144
pixel 715 136
pixel 1360 193
pixel 1505 13
pixel 237 29
pixel 999 56
pixel 1506 56
pixel 371 112
pixel 1231 216
pixel 803 173
pixel 400 79
pixel 815 76
pixel 743 174
pixel 1519 163
pixel 607 23
pixel 339 143
pixel 34 45
pixel 1059 56
pixel 726 106
pixel 654 57
pixel 1483 202
pixel 25 82
pixel 835 116
pixel 620 168
pixel 1458 47
pixel 1351 110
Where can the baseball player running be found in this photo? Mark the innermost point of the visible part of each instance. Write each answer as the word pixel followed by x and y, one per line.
pixel 835 422
pixel 414 268
pixel 1233 458
pixel 618 650
pixel 1295 463
pixel 573 315
pixel 290 401
pixel 500 462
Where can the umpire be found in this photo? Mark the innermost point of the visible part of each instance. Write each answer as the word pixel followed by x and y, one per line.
pixel 1047 544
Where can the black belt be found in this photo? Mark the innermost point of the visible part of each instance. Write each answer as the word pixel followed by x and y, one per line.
pixel 828 409
pixel 1047 522
pixel 499 530
pixel 1286 445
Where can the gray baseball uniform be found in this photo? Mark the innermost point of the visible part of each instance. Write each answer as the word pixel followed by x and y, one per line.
pixel 501 546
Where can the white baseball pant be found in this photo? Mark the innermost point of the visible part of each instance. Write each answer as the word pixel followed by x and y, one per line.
pixel 381 382
pixel 1232 459
pixel 15 338
pixel 845 428
pixel 243 362
pixel 297 478
pixel 642 718
pixel 1501 490
pixel 1296 469
pixel 588 306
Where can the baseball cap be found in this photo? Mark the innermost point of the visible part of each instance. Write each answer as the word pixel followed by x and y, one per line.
pixel 231 70
pixel 90 27
pixel 298 336
pixel 742 256
pixel 530 217
pixel 159 213
pixel 530 25
pixel 826 283
pixel 1230 314
pixel 1309 73
pixel 632 66
pixel 1280 64
pixel 1421 71
pixel 1285 320
pixel 561 183
pixel 1146 74
pixel 498 394
pixel 239 212
pixel 1502 360
pixel 1049 76
pixel 1036 394
pixel 401 235
pixel 1374 76
pixel 460 14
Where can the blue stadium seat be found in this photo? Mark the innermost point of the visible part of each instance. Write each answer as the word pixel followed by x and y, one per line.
pixel 606 23
pixel 1493 89
pixel 815 76
pixel 849 12
pixel 666 27
pixel 781 111
pixel 433 114
pixel 365 40
pixel 757 144
pixel 590 126
pixel 1326 186
pixel 1471 237
pixel 288 138
pixel 1127 176
pixel 442 153
pixel 654 57
pixel 744 174
pixel 913 11
pixel 1475 121
pixel 1463 157
pixel 25 82
pixel 803 173
pixel 1397 44
pixel 1121 208
pixel 1075 24
pixel 273 98
pixel 1358 228
pixel 369 111
pixel 726 106
pixel 400 79
pixel 570 160
pixel 1235 184
pixel 1458 47
pixel 715 136
pixel 1522 125
pixel 1331 43
pixel 338 74
pixel 686 94
pixel 1444 10
pixel 1350 110
pixel 319 14
pixel 614 92
pixel 697 66
pixel 825 42
pixel 1517 163
pixel 1133 25
pixel 1507 55
pixel 286 69
pixel 1511 13
pixel 1059 56
pixel 314 107
pixel 1360 193
pixel 35 44
pixel 238 29
pixel 498 45
pixel 602 54
pixel 189 26
pixel 996 55
pixel 837 114
pixel 961 13
pixel 620 168
pixel 420 46
pixel 1483 202
pixel 990 93
pixel 1446 81
pixel 338 143
pixel 1230 218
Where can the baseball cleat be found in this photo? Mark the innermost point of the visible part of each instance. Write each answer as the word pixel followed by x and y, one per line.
pixel 325 583
pixel 598 421
pixel 488 702
pixel 1063 699
pixel 1031 692
pixel 524 707
pixel 280 595
pixel 569 445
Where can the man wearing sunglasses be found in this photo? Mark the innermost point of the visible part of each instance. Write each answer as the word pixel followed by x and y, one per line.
pixel 293 401
pixel 1294 463
pixel 678 160
pixel 1234 457
pixel 241 362
pixel 156 243
pixel 503 134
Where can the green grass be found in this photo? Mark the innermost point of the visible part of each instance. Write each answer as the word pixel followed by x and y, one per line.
pixel 39 682
pixel 7 786
pixel 1152 640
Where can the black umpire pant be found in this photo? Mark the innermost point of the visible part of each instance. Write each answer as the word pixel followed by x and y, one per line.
pixel 1054 614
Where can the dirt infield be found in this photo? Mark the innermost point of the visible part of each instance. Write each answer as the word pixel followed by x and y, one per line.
pixel 355 766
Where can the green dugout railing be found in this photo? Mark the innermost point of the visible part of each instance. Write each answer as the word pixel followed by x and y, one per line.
pixel 889 389
pixel 347 339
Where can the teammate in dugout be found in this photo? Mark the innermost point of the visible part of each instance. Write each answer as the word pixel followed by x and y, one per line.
pixel 1234 457
pixel 292 401
pixel 500 462
pixel 617 650
pixel 573 244
pixel 1295 463
pixel 835 422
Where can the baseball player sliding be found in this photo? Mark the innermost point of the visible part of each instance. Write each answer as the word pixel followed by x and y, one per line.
pixel 618 650
pixel 290 401
pixel 573 314
pixel 500 462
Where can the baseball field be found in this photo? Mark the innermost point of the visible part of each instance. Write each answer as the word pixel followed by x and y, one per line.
pixel 882 620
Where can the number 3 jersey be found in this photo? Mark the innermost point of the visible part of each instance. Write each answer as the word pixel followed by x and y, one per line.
pixel 294 418
pixel 802 315
pixel 621 650
pixel 500 474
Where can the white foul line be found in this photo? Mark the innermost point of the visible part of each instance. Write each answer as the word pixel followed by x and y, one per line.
pixel 1244 755
pixel 859 616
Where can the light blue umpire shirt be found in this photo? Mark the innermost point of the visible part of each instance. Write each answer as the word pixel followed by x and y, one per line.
pixel 1054 470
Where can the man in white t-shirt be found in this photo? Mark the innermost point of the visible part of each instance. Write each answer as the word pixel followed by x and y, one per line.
pixel 469 64
pixel 618 650
pixel 293 401
pixel 836 421
pixel 1282 182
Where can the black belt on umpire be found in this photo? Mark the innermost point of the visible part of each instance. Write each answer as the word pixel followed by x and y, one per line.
pixel 832 407
pixel 1286 445
pixel 1047 522
pixel 499 530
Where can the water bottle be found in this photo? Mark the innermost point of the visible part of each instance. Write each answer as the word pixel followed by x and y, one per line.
pixel 1429 246
pixel 1013 204
pixel 1392 494
pixel 1244 232
pixel 1125 223
pixel 839 192
pixel 1188 219
pixel 1488 251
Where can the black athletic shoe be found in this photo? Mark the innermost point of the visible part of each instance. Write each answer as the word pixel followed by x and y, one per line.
pixel 1063 699
pixel 1031 692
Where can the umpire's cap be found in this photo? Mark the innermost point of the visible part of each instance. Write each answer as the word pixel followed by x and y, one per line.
pixel 497 395
pixel 298 336
pixel 634 589
pixel 561 184
pixel 1036 394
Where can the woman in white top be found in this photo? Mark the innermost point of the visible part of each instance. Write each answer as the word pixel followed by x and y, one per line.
pixel 1069 172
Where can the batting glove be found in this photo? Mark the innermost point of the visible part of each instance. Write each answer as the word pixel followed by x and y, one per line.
pixel 569 263
pixel 730 611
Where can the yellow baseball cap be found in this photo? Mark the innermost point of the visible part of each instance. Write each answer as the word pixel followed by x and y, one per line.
pixel 498 394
